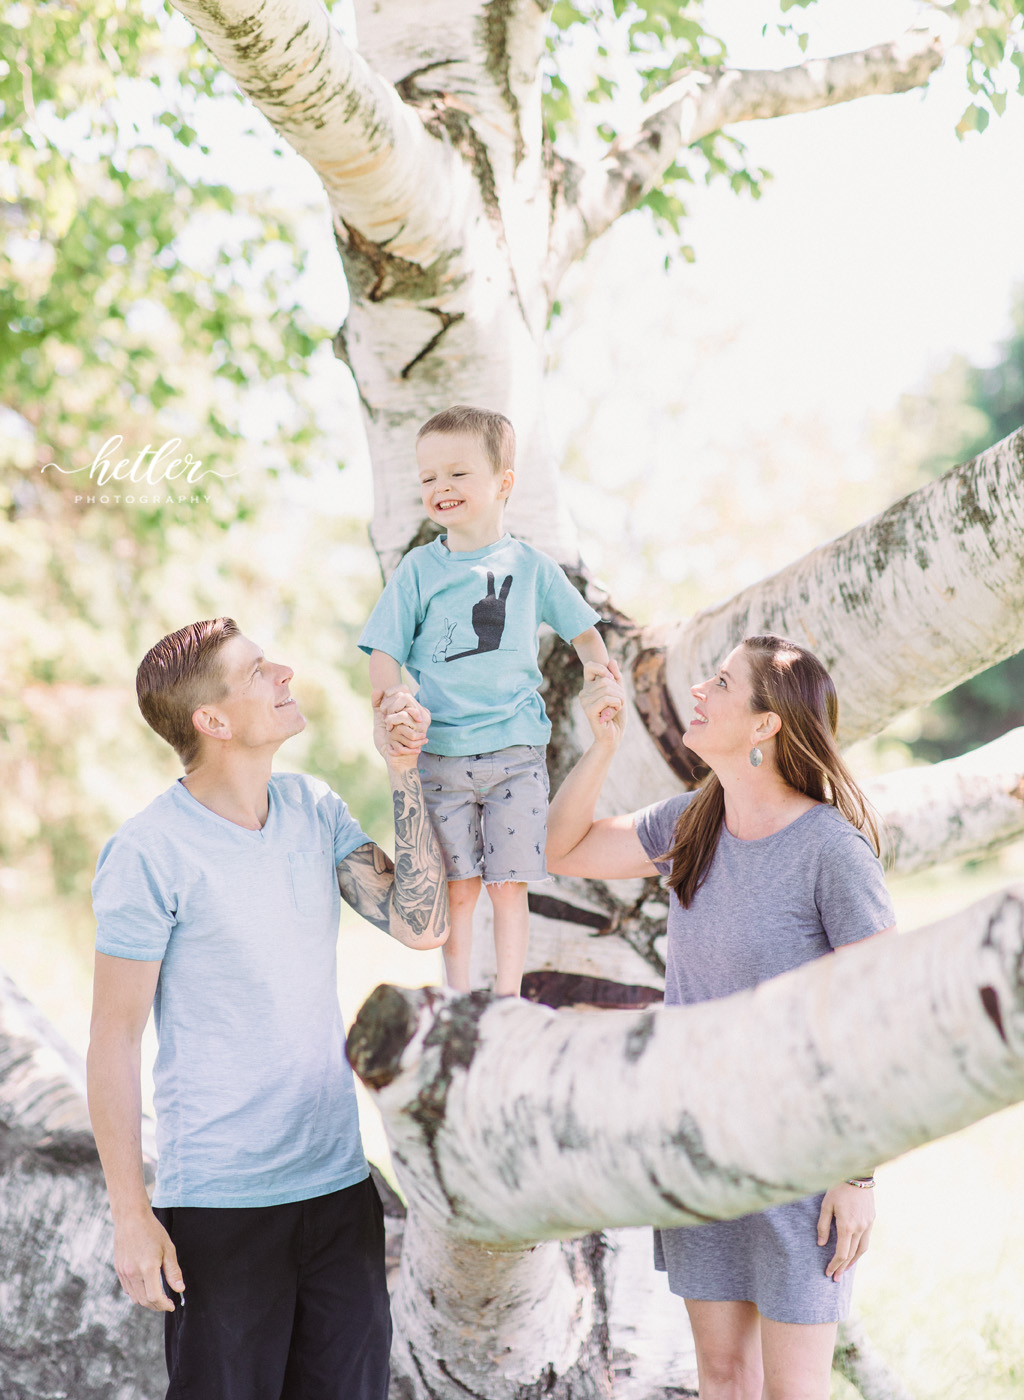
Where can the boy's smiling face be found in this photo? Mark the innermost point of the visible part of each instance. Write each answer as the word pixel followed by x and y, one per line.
pixel 461 490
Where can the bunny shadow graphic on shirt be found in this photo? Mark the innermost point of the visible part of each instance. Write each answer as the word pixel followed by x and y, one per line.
pixel 488 622
pixel 445 642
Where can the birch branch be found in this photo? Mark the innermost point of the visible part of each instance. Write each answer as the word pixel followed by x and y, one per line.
pixel 900 610
pixel 511 1123
pixel 950 810
pixel 857 1360
pixel 701 101
pixel 385 174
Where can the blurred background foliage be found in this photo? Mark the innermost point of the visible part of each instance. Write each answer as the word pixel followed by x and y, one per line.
pixel 144 299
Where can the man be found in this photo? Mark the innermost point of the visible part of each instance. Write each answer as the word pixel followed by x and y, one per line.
pixel 218 906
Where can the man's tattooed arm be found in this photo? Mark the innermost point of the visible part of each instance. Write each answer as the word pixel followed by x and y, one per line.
pixel 365 878
pixel 409 897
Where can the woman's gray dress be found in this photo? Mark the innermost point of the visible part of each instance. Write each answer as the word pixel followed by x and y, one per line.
pixel 766 906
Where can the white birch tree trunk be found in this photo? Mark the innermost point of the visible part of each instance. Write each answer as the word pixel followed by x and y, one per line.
pixel 669 1117
pixel 455 225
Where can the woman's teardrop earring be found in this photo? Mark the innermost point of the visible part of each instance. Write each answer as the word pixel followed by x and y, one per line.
pixel 755 757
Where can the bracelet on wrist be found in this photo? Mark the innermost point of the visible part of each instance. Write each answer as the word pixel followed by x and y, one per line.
pixel 866 1183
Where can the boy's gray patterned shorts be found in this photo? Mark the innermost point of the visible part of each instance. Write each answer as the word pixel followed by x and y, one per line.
pixel 490 812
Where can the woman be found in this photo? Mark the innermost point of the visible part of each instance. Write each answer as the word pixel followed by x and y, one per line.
pixel 771 863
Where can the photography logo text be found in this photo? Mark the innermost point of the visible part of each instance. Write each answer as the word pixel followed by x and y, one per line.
pixel 155 476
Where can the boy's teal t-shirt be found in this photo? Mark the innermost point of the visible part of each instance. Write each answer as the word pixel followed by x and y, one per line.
pixel 255 1103
pixel 464 624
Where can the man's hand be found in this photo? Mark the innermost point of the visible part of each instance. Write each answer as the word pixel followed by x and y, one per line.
pixel 144 1256
pixel 400 725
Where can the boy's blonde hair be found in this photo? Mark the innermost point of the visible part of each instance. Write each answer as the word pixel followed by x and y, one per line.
pixel 491 429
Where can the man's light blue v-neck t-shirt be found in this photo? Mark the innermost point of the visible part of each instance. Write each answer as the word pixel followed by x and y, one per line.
pixel 255 1102
pixel 464 624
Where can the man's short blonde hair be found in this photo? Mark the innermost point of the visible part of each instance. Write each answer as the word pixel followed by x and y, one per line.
pixel 492 430
pixel 181 673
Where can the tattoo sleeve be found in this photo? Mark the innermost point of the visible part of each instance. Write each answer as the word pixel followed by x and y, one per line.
pixel 420 893
pixel 408 898
pixel 365 878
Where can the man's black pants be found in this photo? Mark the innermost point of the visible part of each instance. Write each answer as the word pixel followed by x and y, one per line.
pixel 282 1302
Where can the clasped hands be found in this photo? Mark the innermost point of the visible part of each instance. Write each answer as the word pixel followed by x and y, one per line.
pixel 400 725
pixel 603 698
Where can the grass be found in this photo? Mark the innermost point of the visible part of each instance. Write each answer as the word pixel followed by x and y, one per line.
pixel 941 1290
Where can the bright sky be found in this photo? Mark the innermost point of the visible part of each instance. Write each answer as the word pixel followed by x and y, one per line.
pixel 882 246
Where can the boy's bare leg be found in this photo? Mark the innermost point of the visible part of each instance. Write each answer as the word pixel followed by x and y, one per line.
pixel 511 934
pixel 462 897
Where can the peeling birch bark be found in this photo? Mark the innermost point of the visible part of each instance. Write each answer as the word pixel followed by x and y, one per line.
pixel 453 222
pixel 384 173
pixel 469 328
pixel 510 1124
pixel 67 1327
pixel 652 1351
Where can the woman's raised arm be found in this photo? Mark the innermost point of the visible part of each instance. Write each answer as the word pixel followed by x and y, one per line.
pixel 608 849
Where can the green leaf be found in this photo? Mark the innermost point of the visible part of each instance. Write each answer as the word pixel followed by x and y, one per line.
pixel 970 121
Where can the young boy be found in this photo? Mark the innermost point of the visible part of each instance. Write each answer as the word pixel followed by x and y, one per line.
pixel 462 613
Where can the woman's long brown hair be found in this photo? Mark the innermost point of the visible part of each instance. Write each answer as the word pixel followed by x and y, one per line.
pixel 792 683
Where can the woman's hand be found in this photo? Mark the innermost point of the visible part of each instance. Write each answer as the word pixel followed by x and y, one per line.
pixel 854 1212
pixel 604 701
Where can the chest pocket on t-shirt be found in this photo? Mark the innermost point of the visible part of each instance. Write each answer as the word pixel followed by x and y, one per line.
pixel 312 876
